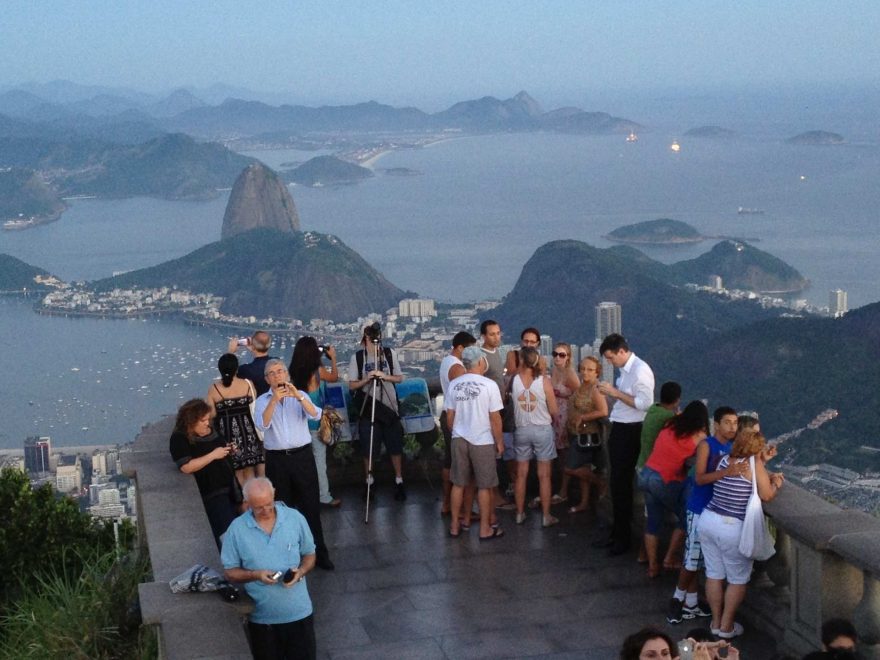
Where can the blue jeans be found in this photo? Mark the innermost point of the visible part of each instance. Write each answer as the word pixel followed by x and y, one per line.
pixel 661 497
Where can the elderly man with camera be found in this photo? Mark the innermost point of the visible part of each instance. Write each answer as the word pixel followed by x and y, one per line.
pixel 282 414
pixel 372 373
pixel 270 550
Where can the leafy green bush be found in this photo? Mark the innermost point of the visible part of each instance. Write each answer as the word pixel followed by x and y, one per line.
pixel 42 535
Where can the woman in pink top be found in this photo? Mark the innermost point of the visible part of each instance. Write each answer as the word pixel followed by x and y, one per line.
pixel 664 476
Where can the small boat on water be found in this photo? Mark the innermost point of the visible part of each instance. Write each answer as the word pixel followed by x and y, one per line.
pixel 632 137
pixel 743 210
pixel 675 146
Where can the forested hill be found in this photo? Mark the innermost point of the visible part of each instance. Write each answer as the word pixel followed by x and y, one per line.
pixel 790 370
pixel 563 281
pixel 266 272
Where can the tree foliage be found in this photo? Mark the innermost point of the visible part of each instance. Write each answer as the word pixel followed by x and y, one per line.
pixel 41 534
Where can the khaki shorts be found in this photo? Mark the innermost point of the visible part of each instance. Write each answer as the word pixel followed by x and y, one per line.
pixel 477 461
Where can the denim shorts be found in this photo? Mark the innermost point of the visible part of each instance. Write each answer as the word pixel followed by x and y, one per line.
pixel 661 497
pixel 534 441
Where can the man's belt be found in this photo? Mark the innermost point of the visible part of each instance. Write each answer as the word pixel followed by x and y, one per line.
pixel 295 450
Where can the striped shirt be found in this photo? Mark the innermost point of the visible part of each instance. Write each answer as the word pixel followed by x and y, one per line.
pixel 731 494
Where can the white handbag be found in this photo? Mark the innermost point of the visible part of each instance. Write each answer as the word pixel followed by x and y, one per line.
pixel 755 541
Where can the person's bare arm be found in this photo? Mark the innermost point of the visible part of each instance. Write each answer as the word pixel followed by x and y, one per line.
pixel 497 433
pixel 552 406
pixel 196 464
pixel 242 575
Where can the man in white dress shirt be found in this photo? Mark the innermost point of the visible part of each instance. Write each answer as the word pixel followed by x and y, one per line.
pixel 632 396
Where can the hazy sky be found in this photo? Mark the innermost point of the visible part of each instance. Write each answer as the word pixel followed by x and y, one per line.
pixel 429 53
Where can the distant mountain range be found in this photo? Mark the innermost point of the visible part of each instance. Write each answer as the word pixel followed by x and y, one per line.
pixel 103 114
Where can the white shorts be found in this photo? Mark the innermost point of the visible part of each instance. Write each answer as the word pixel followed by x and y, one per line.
pixel 719 541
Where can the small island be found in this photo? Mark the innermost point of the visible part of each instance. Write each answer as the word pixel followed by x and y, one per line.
pixel 327 171
pixel 663 231
pixel 816 138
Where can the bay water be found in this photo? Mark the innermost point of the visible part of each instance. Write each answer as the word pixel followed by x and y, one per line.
pixel 460 230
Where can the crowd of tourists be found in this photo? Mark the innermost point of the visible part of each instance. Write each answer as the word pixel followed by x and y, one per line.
pixel 254 445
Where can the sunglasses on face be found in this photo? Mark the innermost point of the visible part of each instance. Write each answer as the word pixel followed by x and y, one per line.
pixel 555 354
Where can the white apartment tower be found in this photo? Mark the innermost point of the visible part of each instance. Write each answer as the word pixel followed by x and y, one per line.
pixel 837 303
pixel 608 319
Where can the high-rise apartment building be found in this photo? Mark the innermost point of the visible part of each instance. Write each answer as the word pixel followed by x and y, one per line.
pixel 37 454
pixel 608 319
pixel 837 303
pixel 546 345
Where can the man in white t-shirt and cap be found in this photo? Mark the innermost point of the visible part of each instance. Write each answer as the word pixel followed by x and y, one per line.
pixel 473 412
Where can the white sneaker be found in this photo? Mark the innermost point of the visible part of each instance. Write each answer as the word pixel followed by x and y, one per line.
pixel 736 632
pixel 520 518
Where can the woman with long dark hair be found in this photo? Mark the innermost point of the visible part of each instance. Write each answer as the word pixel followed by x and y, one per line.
pixel 231 398
pixel 307 373
pixel 663 481
pixel 198 450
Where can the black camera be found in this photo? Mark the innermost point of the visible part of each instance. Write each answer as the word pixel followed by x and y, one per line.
pixel 323 348
pixel 374 332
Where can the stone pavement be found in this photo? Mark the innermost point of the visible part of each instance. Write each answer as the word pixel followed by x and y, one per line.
pixel 403 588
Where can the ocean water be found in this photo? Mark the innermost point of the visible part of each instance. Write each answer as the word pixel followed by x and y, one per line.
pixel 459 231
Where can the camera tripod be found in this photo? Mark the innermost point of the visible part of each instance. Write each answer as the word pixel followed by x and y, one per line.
pixel 378 354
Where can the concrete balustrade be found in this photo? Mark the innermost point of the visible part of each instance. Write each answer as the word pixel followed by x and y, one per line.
pixel 826 566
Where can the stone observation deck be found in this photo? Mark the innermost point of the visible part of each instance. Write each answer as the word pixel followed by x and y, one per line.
pixel 404 589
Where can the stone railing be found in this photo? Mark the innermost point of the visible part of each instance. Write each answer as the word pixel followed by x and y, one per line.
pixel 174 529
pixel 827 565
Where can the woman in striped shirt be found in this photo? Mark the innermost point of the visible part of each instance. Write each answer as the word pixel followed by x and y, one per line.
pixel 720 527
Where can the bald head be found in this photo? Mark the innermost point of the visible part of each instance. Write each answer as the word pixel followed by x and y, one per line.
pixel 257 488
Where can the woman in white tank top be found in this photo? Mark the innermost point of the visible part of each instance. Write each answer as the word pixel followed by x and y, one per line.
pixel 534 407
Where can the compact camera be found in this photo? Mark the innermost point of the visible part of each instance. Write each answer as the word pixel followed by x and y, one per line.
pixel 244 341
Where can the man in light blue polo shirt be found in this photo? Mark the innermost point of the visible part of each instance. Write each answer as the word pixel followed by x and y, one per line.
pixel 267 540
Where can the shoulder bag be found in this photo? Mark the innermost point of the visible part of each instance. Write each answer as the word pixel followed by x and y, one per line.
pixel 755 541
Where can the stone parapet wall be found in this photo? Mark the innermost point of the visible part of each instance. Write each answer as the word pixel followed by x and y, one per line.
pixel 827 565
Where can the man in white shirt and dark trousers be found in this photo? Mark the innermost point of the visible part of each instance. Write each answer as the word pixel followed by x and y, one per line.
pixel 633 396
